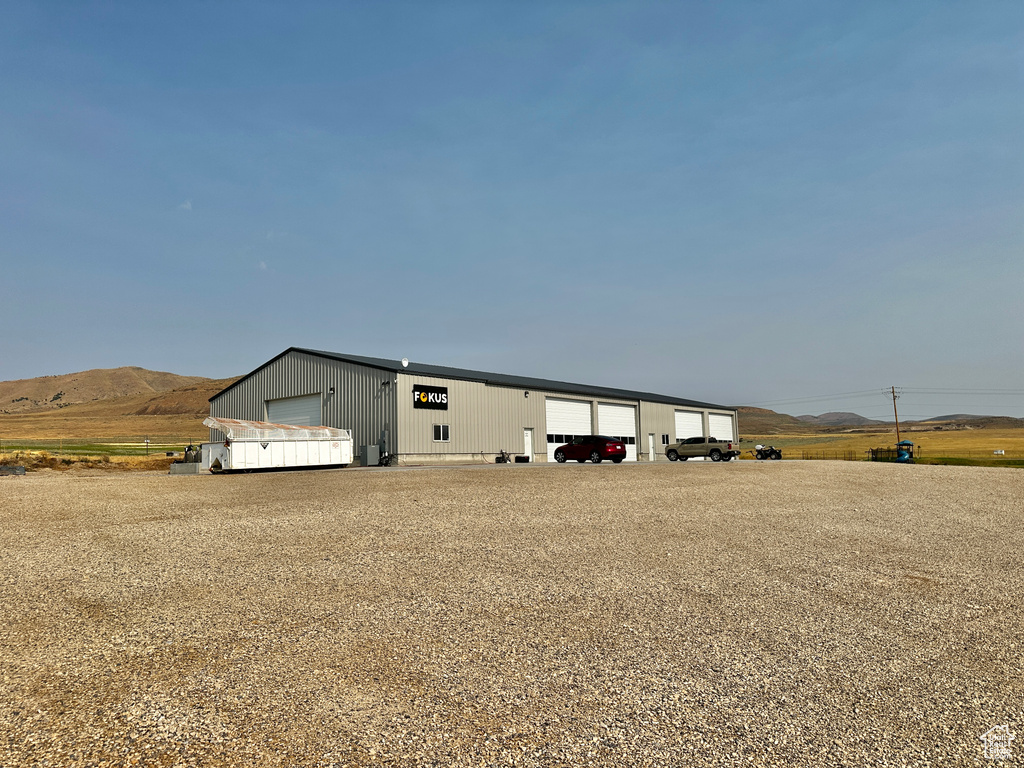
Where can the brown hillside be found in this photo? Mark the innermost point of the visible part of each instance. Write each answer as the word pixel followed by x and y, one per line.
pixel 175 413
pixel 49 393
pixel 761 421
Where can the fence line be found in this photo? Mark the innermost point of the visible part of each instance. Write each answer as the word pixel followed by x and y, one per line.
pixel 832 456
pixel 889 454
pixel 119 445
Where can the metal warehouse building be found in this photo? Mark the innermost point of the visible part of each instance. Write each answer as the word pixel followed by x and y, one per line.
pixel 433 414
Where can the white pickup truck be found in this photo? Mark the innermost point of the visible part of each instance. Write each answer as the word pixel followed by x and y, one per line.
pixel 705 447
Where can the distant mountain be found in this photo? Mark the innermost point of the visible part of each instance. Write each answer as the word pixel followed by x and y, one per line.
pixel 761 421
pixel 969 421
pixel 50 393
pixel 960 417
pixel 840 418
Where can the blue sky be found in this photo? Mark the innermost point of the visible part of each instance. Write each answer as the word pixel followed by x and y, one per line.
pixel 735 202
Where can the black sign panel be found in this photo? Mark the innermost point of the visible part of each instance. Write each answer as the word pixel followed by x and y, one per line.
pixel 434 398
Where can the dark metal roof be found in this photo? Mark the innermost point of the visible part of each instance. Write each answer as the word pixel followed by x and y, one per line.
pixel 494 379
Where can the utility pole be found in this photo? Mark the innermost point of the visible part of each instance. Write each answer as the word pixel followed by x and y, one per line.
pixel 896 415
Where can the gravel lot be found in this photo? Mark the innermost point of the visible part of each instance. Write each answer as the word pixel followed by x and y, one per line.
pixel 786 613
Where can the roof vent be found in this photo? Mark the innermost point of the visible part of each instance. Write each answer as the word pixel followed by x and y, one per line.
pixel 405 362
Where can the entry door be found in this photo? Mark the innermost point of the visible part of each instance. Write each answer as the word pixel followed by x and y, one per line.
pixel 650 447
pixel 528 443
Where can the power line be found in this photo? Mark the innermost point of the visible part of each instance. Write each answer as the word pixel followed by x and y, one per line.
pixel 811 398
pixel 970 392
pixel 918 391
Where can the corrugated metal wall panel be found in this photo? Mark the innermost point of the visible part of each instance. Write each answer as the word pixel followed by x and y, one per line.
pixel 362 402
pixel 482 419
pixel 656 419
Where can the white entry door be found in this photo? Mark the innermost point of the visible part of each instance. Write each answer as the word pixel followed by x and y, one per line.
pixel 528 443
pixel 651 456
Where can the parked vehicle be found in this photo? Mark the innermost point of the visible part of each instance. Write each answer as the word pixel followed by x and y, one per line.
pixel 595 448
pixel 763 452
pixel 706 447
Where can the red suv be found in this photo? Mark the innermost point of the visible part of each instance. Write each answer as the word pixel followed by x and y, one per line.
pixel 597 448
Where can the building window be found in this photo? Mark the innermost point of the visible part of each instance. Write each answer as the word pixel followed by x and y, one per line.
pixel 623 439
pixel 664 439
pixel 441 433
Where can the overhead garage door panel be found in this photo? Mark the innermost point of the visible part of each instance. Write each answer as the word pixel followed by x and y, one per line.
pixel 565 419
pixel 689 424
pixel 721 426
pixel 300 411
pixel 619 421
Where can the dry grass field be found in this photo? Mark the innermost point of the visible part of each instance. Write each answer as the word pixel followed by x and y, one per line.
pixel 74 428
pixel 769 614
pixel 975 443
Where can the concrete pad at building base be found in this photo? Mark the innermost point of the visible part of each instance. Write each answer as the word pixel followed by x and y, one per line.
pixel 440 459
pixel 188 468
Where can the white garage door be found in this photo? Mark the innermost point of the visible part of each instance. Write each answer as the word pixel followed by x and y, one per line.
pixel 619 421
pixel 689 424
pixel 301 411
pixel 721 427
pixel 565 420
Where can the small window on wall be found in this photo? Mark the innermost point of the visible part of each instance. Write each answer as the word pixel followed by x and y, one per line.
pixel 441 433
pixel 664 439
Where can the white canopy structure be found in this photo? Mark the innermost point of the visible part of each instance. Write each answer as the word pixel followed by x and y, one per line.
pixel 264 431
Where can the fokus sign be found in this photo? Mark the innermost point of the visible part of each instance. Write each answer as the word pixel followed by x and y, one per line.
pixel 434 398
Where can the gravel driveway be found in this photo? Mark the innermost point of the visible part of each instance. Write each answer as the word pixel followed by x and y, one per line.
pixel 791 613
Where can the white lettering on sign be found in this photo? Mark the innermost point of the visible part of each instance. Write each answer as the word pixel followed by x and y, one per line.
pixel 424 396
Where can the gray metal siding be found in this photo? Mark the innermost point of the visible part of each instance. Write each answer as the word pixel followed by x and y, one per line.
pixel 483 419
pixel 659 419
pixel 361 401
